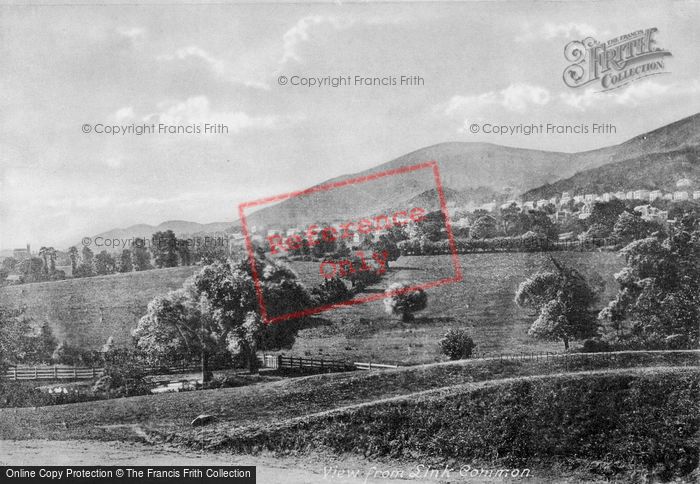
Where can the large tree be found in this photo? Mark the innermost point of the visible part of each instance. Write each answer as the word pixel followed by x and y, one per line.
pixel 659 294
pixel 164 246
pixel 562 301
pixel 215 311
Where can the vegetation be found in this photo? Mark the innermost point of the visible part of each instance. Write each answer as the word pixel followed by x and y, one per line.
pixel 403 299
pixel 608 418
pixel 457 344
pixel 563 301
pixel 659 291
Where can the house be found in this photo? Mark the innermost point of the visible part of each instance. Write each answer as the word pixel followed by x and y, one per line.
pixel 696 195
pixel 680 195
pixel 21 254
pixel 554 200
pixel 641 194
pixel 590 197
pixel 542 203
pixel 529 205
pixel 651 214
pixel 607 196
pixel 629 195
pixel 620 195
pixel 668 196
pixel 654 194
pixel 578 198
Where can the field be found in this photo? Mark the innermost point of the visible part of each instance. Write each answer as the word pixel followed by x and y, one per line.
pixel 86 312
pixel 482 302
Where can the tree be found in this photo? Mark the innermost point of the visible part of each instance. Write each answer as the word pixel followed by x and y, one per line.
pixel 43 253
pixel 562 300
pixel 32 269
pixel 125 264
pixel 164 248
pixel 105 263
pixel 659 293
pixel 86 267
pixel 457 344
pixel 212 313
pixel 73 255
pixel 484 227
pixel 404 300
pixel 606 214
pixel 140 256
pixel 330 291
pixel 179 325
pixel 631 226
pixel 386 245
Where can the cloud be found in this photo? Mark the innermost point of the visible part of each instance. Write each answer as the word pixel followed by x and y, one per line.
pixel 218 66
pixel 516 97
pixel 635 94
pixel 550 31
pixel 198 110
pixel 300 33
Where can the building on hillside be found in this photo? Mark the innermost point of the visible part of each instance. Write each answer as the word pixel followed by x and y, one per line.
pixel 590 197
pixel 641 194
pixel 652 214
pixel 529 205
pixel 696 195
pixel 668 196
pixel 683 182
pixel 22 254
pixel 629 195
pixel 578 198
pixel 542 203
pixel 607 197
pixel 680 195
pixel 620 195
pixel 654 194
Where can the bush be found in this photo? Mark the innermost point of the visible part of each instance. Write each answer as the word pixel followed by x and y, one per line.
pixel 403 301
pixel 330 291
pixel 595 345
pixel 457 344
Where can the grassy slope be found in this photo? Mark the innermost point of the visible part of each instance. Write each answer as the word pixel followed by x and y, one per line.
pixel 264 404
pixel 482 302
pixel 87 311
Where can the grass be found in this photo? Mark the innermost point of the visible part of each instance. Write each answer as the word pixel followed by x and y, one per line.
pixel 482 302
pixel 87 311
pixel 264 404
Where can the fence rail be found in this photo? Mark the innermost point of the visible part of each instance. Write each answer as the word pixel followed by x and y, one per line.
pixel 56 372
pixel 294 362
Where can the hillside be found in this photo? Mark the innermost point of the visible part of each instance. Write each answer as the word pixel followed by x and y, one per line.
pixel 468 166
pixel 656 171
pixel 85 312
pixel 180 227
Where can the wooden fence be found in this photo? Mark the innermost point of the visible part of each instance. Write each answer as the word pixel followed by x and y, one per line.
pixel 56 372
pixel 294 362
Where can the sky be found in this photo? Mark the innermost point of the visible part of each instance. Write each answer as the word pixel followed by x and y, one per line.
pixel 66 66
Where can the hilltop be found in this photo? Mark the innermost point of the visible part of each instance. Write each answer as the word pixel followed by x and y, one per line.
pixel 479 171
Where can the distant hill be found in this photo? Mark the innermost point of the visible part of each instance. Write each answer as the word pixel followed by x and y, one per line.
pixel 506 171
pixel 180 227
pixel 656 171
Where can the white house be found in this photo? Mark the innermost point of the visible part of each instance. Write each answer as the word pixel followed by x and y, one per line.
pixel 654 194
pixel 641 194
pixel 696 195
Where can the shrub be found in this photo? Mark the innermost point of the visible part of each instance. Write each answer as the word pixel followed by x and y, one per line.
pixel 457 344
pixel 330 291
pixel 404 301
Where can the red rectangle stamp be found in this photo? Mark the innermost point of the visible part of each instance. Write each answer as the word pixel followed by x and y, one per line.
pixel 351 238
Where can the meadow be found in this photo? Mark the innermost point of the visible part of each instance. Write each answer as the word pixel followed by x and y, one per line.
pixel 86 312
pixel 483 302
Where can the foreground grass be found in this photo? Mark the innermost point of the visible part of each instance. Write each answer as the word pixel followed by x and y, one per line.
pixel 170 414
pixel 637 423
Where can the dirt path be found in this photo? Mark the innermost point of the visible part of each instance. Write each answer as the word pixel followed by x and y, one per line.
pixel 269 470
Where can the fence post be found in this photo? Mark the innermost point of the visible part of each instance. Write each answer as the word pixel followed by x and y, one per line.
pixel 93 372
pixel 36 377
pixel 14 373
pixel 55 372
pixel 279 361
pixel 75 372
